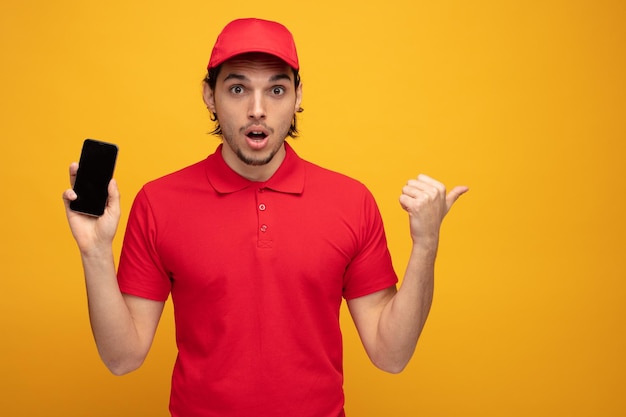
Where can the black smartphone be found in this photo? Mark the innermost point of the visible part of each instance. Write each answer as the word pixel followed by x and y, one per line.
pixel 95 170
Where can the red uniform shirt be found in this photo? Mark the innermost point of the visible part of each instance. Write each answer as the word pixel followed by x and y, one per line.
pixel 257 272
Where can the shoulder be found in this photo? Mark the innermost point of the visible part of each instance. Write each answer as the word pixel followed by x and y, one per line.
pixel 319 173
pixel 172 191
pixel 333 182
pixel 164 200
pixel 178 180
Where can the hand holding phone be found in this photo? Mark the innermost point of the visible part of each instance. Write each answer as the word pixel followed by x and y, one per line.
pixel 95 170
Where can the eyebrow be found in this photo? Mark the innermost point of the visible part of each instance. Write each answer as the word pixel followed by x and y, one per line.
pixel 241 77
pixel 278 77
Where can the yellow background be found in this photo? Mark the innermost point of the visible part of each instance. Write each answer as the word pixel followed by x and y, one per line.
pixel 524 101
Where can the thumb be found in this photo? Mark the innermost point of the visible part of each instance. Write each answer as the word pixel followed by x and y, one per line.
pixel 113 201
pixel 454 194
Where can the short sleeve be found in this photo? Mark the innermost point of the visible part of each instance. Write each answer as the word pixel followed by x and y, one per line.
pixel 371 268
pixel 140 271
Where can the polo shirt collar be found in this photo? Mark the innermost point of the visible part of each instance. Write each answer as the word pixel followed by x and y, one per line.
pixel 289 178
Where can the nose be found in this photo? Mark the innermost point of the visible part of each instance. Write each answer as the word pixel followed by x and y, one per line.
pixel 257 110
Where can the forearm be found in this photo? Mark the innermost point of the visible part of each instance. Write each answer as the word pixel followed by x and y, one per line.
pixel 390 322
pixel 403 318
pixel 112 324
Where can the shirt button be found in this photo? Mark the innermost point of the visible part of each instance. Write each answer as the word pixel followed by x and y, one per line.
pixel 264 228
pixel 262 207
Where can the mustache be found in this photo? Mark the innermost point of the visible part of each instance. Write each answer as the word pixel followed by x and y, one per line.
pixel 256 124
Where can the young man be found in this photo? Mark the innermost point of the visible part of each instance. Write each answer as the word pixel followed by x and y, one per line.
pixel 257 248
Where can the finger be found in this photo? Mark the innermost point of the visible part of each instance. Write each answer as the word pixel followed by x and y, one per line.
pixel 429 185
pixel 73 171
pixel 113 202
pixel 412 190
pixel 414 195
pixel 407 202
pixel 412 198
pixel 425 178
pixel 69 195
pixel 421 186
pixel 431 182
pixel 113 191
pixel 454 195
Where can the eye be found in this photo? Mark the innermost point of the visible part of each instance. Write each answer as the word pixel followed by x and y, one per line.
pixel 278 91
pixel 236 89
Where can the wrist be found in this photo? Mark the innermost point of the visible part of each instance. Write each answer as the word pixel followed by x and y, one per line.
pixel 426 247
pixel 97 252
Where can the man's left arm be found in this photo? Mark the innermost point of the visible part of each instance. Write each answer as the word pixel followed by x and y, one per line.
pixel 390 322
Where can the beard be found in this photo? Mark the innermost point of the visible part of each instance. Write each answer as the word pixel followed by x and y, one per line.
pixel 248 160
pixel 251 159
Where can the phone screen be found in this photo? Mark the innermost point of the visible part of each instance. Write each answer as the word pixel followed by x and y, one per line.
pixel 95 170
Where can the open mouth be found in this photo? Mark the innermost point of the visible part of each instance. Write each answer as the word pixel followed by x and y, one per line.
pixel 256 135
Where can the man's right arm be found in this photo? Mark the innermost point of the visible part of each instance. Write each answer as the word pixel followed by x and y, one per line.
pixel 123 325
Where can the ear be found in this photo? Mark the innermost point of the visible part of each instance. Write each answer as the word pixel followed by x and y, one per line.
pixel 298 98
pixel 209 98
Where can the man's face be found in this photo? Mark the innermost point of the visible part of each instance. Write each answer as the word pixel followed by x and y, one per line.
pixel 255 100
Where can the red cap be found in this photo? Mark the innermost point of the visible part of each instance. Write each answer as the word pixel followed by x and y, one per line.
pixel 254 35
